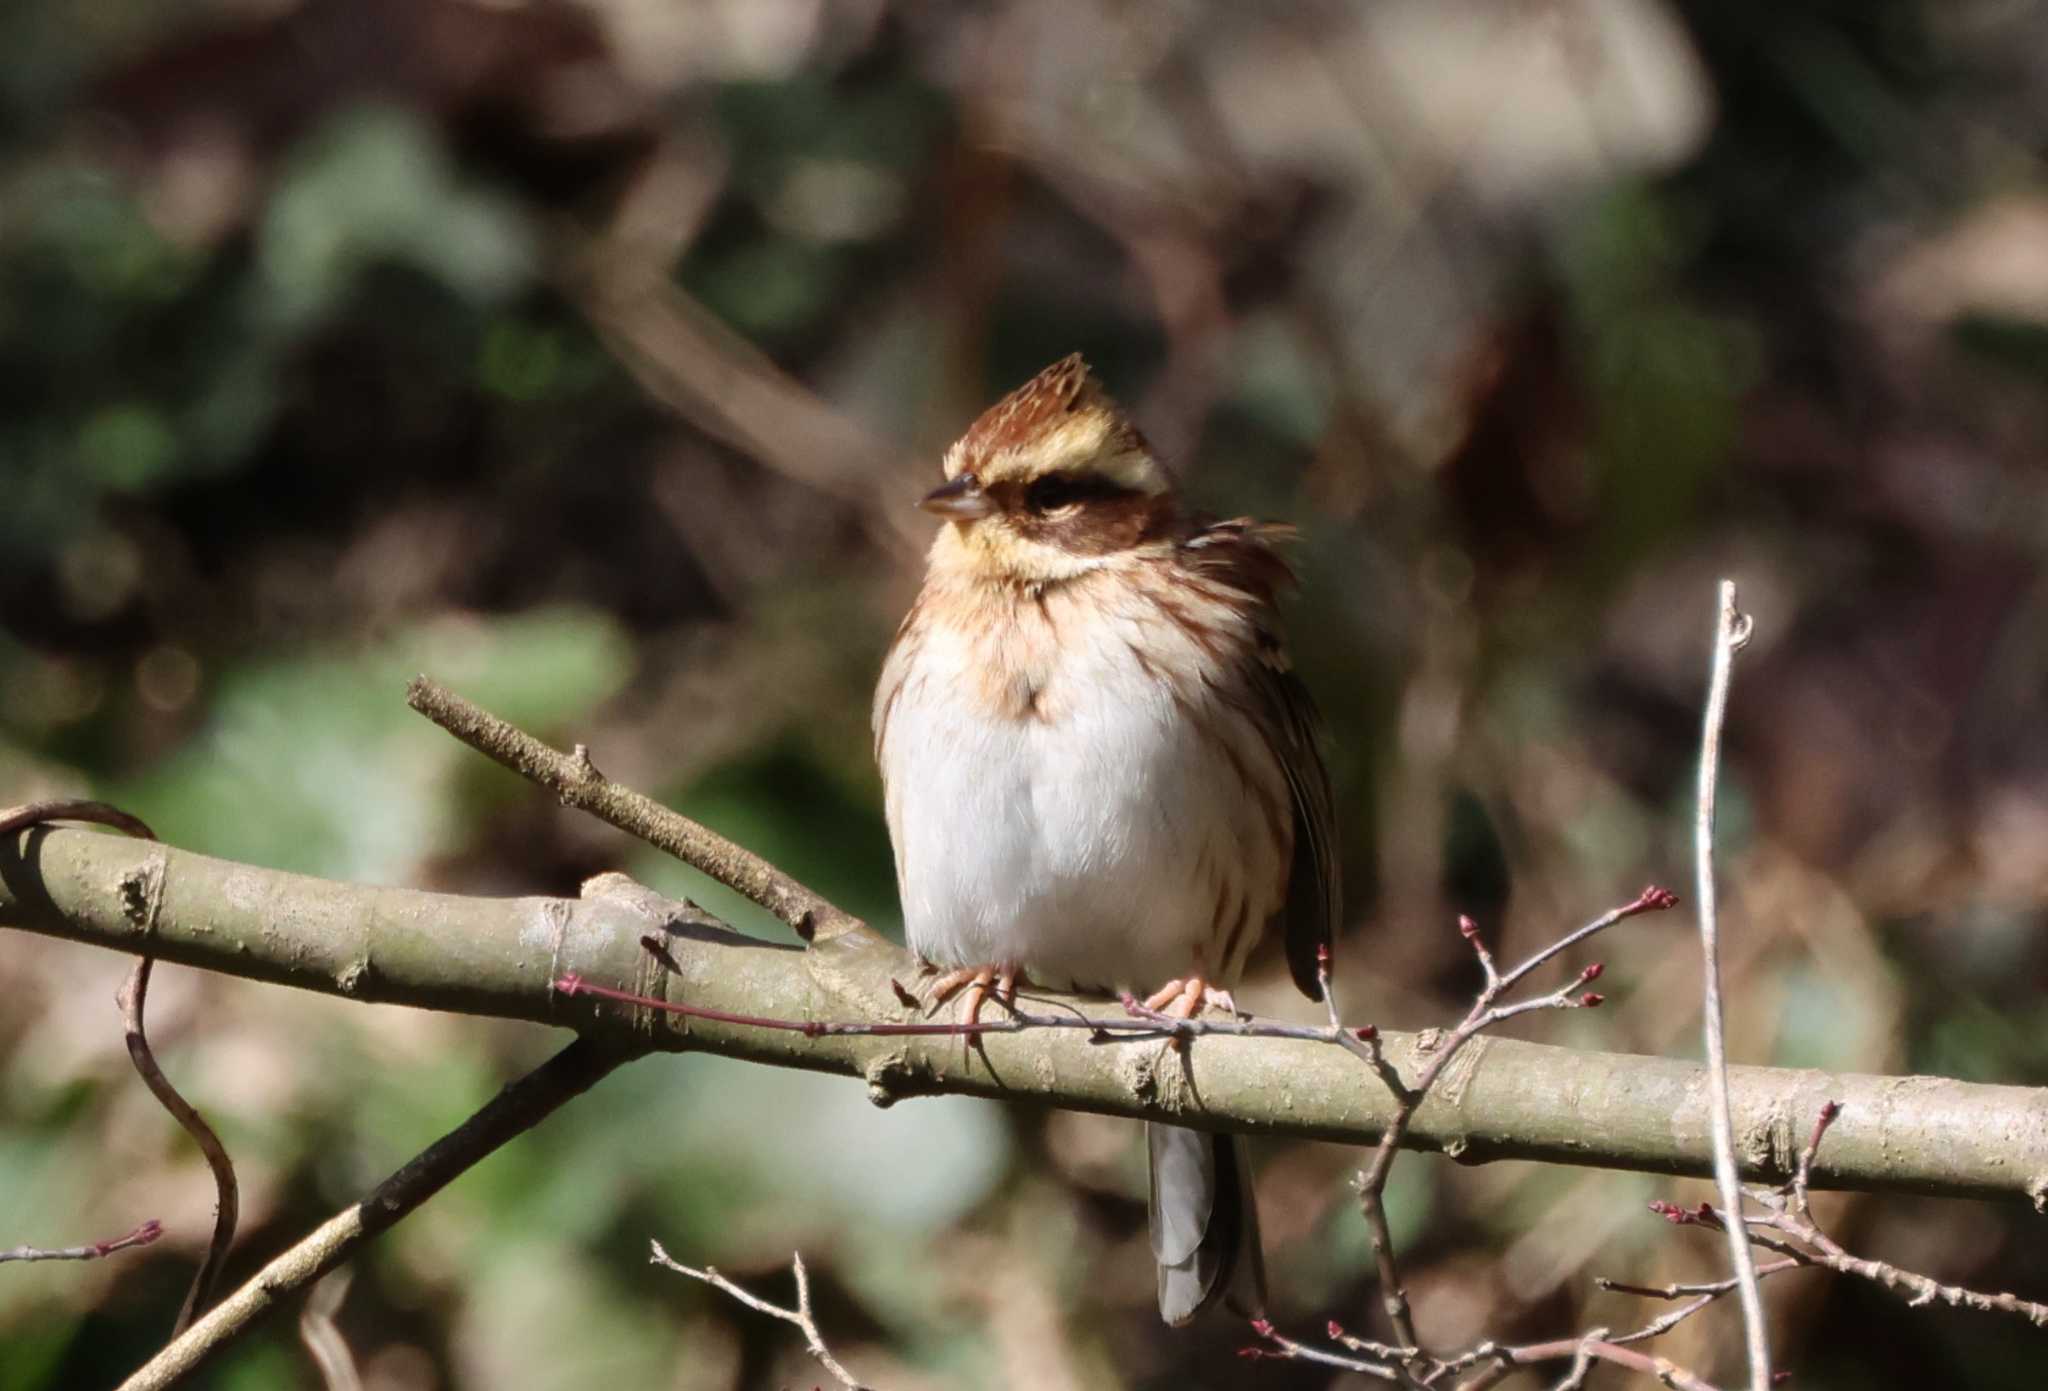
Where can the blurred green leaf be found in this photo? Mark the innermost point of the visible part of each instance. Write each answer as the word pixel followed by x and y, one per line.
pixel 127 446
pixel 31 1351
pixel 374 184
pixel 264 1362
pixel 769 288
pixel 313 762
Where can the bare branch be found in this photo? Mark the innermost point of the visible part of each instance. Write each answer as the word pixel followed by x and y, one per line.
pixel 98 813
pixel 318 1331
pixel 143 892
pixel 800 1315
pixel 1488 1009
pixel 1731 632
pixel 1280 1348
pixel 227 1193
pixel 1489 1361
pixel 142 1236
pixel 503 958
pixel 576 780
pixel 1787 1227
pixel 1916 1289
pixel 522 1105
pixel 697 367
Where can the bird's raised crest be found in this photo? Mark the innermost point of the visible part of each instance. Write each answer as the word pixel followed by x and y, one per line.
pixel 1061 418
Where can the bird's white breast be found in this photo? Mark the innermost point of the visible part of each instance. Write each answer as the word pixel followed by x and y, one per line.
pixel 1058 801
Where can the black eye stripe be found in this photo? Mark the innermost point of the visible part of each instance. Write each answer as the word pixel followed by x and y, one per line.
pixel 1056 490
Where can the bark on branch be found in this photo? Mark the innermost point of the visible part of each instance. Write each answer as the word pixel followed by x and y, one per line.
pixel 1501 1099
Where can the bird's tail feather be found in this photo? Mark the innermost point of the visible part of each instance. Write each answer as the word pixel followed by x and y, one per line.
pixel 1205 1227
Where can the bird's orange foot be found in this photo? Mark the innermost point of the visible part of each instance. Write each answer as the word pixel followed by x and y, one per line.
pixel 1184 999
pixel 997 980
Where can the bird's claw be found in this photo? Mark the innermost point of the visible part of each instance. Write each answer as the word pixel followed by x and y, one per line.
pixel 996 980
pixel 1189 996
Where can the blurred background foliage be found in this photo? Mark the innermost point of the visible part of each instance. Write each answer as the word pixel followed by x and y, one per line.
pixel 590 357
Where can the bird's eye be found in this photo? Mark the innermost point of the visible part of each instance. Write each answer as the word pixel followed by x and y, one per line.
pixel 1052 492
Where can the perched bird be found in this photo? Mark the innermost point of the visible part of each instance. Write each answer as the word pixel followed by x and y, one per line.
pixel 1100 772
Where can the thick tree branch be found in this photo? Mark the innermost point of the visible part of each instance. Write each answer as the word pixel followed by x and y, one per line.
pixel 1500 1099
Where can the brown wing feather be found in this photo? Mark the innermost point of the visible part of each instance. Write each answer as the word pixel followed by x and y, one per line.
pixel 1314 887
pixel 1240 554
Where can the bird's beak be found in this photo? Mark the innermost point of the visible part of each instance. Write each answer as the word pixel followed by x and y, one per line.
pixel 958 500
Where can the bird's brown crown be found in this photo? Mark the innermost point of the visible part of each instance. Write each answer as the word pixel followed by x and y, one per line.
pixel 1060 421
pixel 1052 481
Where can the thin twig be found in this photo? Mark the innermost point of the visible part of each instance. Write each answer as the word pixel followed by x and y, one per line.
pixel 1138 1022
pixel 1916 1289
pixel 1666 1371
pixel 800 1316
pixel 576 780
pixel 1363 1041
pixel 518 1108
pixel 1386 1352
pixel 132 998
pixel 227 1193
pixel 1731 631
pixel 1711 1289
pixel 1492 1361
pixel 1398 1363
pixel 1280 1348
pixel 1802 1173
pixel 1145 1026
pixel 142 1236
pixel 1487 1011
pixel 322 1337
pixel 98 813
pixel 697 367
pixel 1787 1228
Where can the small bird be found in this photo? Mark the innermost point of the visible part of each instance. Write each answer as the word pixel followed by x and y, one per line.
pixel 1100 773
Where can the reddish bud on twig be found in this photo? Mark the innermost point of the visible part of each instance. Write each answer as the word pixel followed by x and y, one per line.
pixel 1251 1354
pixel 1592 999
pixel 1828 1111
pixel 1677 1216
pixel 1263 1327
pixel 1468 929
pixel 142 1236
pixel 1336 1329
pixel 571 984
pixel 1593 972
pixel 1322 955
pixel 1367 1033
pixel 1653 900
pixel 1780 1378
